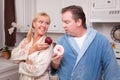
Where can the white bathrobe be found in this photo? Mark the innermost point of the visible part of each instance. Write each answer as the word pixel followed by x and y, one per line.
pixel 39 69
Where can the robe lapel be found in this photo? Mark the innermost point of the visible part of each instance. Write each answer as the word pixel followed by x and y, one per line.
pixel 90 36
pixel 74 45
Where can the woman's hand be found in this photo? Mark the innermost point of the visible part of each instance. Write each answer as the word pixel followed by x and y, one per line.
pixel 28 61
pixel 38 47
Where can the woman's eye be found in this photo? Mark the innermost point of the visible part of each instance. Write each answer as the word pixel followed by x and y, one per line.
pixel 67 22
pixel 40 21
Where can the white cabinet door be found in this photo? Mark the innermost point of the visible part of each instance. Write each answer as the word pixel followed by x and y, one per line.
pixel 103 4
pixel 53 9
pixel 25 10
pixel 29 11
pixel 85 5
pixel 105 11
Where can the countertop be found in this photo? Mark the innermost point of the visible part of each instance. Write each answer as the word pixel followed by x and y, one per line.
pixel 6 65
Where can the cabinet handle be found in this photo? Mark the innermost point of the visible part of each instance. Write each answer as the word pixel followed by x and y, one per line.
pixel 28 25
pixel 108 1
pixel 54 26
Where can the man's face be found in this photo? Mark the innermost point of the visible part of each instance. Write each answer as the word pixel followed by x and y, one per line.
pixel 69 23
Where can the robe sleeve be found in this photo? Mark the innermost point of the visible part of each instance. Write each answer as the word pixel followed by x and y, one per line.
pixel 111 69
pixel 40 64
pixel 20 52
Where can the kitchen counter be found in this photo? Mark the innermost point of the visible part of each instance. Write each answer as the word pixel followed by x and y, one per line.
pixel 6 65
pixel 8 70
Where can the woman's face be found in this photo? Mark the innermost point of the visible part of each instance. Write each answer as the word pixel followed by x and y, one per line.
pixel 41 25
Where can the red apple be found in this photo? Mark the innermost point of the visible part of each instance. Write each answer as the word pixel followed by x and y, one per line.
pixel 48 40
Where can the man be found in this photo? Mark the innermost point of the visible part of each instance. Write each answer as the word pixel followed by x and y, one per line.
pixel 88 55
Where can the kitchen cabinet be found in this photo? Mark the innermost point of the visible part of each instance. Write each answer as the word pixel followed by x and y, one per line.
pixel 105 11
pixel 25 11
pixel 53 9
pixel 84 4
pixel 101 4
pixel 8 70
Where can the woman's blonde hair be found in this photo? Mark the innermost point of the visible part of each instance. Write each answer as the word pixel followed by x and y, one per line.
pixel 39 15
pixel 30 32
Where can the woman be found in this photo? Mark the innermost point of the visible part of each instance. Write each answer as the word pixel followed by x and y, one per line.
pixel 33 54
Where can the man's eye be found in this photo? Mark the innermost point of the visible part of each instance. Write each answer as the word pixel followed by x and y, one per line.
pixel 67 22
pixel 40 21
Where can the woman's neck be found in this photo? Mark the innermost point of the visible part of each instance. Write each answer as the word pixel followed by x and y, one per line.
pixel 36 38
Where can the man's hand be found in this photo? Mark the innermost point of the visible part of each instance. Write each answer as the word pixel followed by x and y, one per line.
pixel 57 56
pixel 56 59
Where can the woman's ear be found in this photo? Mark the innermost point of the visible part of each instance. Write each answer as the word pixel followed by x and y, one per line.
pixel 33 24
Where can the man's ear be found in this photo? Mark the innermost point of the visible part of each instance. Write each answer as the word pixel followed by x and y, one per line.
pixel 79 22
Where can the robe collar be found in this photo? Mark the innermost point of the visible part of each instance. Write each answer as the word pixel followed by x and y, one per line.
pixel 88 40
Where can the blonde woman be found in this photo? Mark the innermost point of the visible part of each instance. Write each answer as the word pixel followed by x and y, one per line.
pixel 33 54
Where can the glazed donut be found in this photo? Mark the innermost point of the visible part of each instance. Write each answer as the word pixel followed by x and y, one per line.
pixel 59 49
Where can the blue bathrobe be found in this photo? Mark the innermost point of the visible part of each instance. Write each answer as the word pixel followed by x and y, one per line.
pixel 94 61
